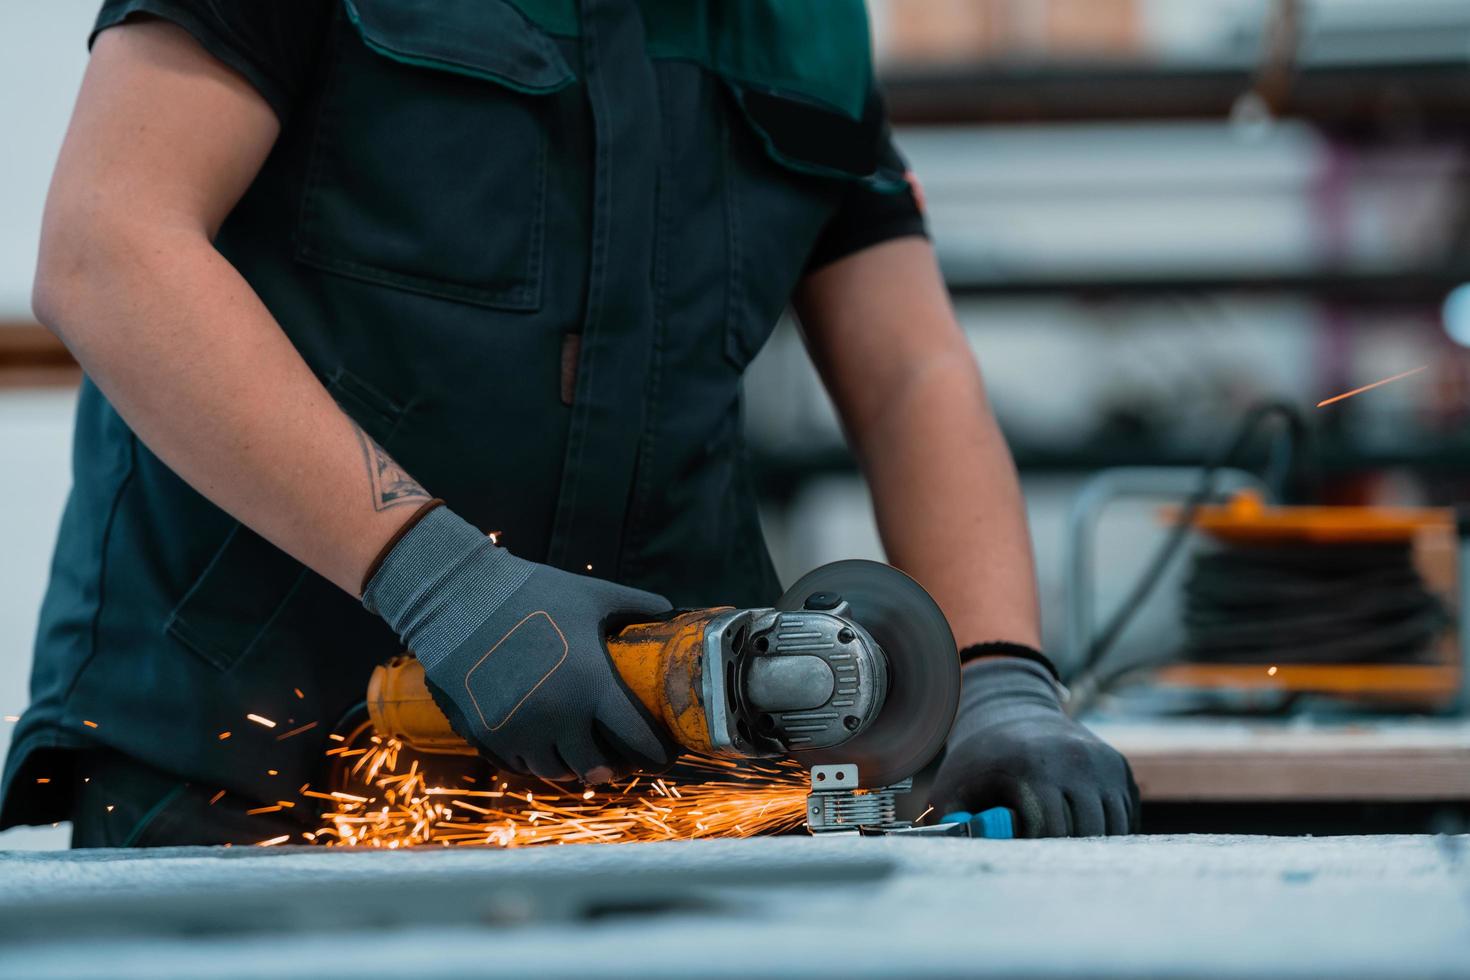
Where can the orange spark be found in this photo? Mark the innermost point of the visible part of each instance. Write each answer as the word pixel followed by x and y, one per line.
pixel 216 797
pixel 273 841
pixel 1271 671
pixel 12 717
pixel 707 798
pixel 261 721
pixel 89 724
pixel 296 731
pixel 261 809
pixel 298 693
pixel 43 780
pixel 272 772
pixel 1359 391
pixel 223 736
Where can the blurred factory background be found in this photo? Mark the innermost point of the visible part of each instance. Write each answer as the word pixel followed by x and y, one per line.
pixel 1152 214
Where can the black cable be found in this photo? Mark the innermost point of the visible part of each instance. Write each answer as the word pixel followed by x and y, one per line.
pixel 1286 476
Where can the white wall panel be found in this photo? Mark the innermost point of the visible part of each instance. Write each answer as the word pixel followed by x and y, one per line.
pixel 43 52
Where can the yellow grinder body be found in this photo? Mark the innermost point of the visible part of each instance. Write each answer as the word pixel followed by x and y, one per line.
pixel 662 663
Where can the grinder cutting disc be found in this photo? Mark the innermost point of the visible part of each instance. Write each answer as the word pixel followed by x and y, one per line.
pixel 923 668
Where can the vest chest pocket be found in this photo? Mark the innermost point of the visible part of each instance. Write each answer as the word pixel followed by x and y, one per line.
pixel 429 166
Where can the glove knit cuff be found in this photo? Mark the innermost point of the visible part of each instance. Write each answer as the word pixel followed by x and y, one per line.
pixel 440 582
pixel 1003 648
pixel 1002 690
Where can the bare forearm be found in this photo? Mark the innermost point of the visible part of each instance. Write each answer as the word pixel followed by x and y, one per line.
pixel 196 365
pixel 163 142
pixel 881 330
pixel 949 505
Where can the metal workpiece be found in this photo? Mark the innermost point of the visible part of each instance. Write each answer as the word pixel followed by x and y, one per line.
pixel 836 805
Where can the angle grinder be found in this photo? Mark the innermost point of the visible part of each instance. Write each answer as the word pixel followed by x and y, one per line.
pixel 853 672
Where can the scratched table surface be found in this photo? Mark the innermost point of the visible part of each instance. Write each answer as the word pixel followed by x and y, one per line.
pixel 1142 907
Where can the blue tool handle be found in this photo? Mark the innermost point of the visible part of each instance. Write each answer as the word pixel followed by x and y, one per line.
pixel 997 823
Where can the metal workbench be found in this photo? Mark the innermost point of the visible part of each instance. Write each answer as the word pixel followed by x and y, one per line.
pixel 1127 907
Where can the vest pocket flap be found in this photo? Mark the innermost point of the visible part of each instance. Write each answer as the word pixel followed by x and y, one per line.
pixel 485 39
pixel 815 141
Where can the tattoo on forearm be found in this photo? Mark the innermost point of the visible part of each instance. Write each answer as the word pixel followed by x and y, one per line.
pixel 391 484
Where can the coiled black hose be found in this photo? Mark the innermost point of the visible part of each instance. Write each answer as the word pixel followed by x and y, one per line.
pixel 1309 603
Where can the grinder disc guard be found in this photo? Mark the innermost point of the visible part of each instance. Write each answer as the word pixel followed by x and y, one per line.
pixel 923 668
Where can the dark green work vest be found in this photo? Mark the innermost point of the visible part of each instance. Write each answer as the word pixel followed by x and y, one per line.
pixel 530 249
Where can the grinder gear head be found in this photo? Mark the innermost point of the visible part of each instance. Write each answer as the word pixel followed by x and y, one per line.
pixel 781 682
pixel 855 664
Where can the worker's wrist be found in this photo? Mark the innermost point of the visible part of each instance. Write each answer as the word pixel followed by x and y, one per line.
pixel 440 581
pixel 419 514
pixel 1003 648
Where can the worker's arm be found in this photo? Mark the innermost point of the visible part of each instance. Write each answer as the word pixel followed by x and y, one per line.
pixel 883 334
pixel 164 141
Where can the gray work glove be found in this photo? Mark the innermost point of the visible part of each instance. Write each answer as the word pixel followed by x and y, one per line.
pixel 1012 745
pixel 514 653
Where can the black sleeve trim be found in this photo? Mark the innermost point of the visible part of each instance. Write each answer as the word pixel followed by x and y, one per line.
pixel 865 219
pixel 833 248
pixel 1000 648
pixel 208 36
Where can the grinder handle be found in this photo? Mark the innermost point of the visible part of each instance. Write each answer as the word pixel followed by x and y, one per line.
pixel 661 662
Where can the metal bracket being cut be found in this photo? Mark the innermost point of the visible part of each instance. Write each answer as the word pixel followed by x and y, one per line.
pixel 836 806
